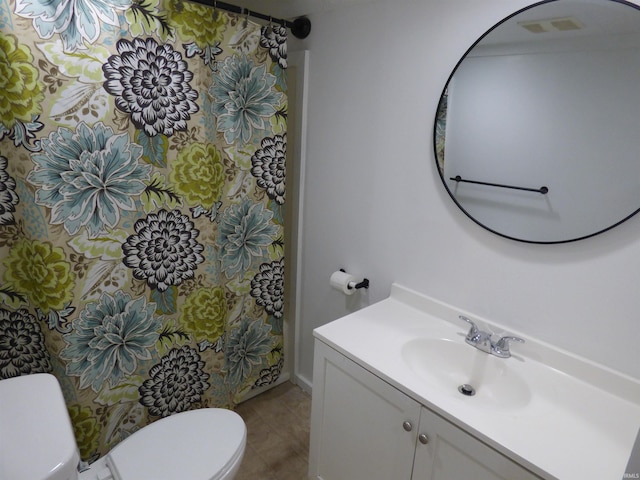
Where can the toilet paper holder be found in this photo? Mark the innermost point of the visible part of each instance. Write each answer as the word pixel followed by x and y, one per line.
pixel 356 286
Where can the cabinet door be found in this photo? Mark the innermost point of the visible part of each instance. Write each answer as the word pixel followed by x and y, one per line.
pixel 451 453
pixel 358 429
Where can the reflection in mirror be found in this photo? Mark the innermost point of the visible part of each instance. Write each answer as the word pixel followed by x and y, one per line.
pixel 547 98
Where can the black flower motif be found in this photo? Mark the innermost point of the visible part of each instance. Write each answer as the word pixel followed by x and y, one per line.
pixel 164 250
pixel 22 349
pixel 267 287
pixel 268 166
pixel 151 82
pixel 8 197
pixel 175 384
pixel 275 39
pixel 269 375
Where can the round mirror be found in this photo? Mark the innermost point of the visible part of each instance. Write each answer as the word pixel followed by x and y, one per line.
pixel 537 133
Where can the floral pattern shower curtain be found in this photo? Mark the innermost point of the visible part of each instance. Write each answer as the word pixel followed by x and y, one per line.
pixel 142 192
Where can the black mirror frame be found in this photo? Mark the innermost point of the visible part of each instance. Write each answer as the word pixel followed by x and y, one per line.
pixel 435 136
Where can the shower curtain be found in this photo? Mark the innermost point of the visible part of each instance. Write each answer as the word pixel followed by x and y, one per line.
pixel 142 180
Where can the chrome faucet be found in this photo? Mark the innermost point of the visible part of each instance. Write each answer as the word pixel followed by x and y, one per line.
pixel 482 340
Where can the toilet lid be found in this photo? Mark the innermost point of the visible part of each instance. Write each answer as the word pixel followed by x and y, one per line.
pixel 195 445
pixel 36 438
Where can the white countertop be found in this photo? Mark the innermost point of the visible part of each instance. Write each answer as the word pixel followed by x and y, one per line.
pixel 580 422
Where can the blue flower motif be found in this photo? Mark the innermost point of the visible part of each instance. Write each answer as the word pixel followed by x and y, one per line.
pixel 246 348
pixel 243 98
pixel 74 20
pixel 87 177
pixel 109 338
pixel 245 233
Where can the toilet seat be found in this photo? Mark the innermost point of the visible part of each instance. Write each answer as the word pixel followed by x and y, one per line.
pixel 204 444
pixel 37 441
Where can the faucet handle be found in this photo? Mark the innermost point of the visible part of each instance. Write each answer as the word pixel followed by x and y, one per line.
pixel 473 331
pixel 501 347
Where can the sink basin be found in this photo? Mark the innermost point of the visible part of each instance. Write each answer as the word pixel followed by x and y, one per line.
pixel 448 364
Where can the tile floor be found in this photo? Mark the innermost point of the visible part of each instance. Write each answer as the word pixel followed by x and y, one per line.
pixel 277 434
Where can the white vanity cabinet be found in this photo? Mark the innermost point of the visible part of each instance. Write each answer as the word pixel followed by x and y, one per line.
pixel 357 422
pixel 451 453
pixel 363 428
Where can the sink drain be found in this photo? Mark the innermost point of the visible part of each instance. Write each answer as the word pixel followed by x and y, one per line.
pixel 467 390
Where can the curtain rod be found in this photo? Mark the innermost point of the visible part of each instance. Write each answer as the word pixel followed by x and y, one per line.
pixel 300 27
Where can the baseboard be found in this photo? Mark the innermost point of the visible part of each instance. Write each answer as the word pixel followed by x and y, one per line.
pixel 303 383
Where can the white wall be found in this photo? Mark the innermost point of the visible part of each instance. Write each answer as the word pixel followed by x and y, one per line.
pixel 374 203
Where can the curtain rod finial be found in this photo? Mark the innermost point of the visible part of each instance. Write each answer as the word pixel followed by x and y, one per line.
pixel 301 27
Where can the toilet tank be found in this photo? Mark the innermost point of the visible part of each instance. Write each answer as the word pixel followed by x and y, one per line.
pixel 36 437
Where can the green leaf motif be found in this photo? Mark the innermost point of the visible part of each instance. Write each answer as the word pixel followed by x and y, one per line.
pixel 11 297
pixel 276 325
pixel 241 285
pixel 107 246
pixel 125 390
pixel 143 19
pixel 278 212
pixel 154 148
pixel 158 194
pixel 84 65
pixel 166 302
pixel 170 337
pixel 241 155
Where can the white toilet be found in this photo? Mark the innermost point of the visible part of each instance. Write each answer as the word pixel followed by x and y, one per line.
pixel 37 442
